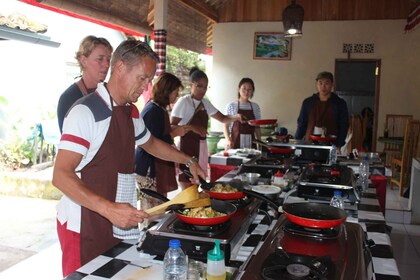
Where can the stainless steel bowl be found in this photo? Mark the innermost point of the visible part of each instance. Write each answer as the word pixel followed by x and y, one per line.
pixel 272 192
pixel 253 178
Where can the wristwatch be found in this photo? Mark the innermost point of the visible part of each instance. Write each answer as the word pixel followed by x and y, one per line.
pixel 191 161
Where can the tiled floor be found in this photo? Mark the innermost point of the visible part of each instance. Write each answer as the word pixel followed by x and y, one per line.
pixel 405 237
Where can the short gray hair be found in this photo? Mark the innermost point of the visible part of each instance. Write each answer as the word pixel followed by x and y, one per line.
pixel 131 51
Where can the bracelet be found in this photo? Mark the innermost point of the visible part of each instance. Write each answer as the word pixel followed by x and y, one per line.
pixel 191 161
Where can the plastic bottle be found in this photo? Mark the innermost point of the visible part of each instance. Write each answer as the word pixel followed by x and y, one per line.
pixel 216 269
pixel 337 200
pixel 333 155
pixel 364 174
pixel 175 264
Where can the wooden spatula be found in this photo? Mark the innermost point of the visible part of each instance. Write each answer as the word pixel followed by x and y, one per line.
pixel 203 201
pixel 187 195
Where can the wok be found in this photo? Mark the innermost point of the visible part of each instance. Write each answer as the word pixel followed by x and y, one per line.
pixel 219 205
pixel 241 193
pixel 314 215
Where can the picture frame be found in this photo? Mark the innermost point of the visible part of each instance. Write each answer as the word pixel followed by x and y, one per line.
pixel 272 46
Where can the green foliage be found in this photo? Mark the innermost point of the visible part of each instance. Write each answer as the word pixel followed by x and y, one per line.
pixel 179 62
pixel 15 153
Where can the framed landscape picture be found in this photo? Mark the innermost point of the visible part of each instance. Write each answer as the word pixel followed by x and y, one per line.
pixel 272 46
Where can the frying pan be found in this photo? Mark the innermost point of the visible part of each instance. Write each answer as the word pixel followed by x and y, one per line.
pixel 294 244
pixel 275 150
pixel 314 215
pixel 241 193
pixel 323 139
pixel 262 122
pixel 224 196
pixel 219 195
pixel 219 205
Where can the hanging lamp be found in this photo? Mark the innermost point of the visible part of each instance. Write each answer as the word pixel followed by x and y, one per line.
pixel 293 20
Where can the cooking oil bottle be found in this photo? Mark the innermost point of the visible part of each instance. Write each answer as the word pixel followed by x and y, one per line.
pixel 216 269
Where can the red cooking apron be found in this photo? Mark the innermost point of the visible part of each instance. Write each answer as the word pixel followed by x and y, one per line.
pixel 243 128
pixel 190 142
pixel 116 155
pixel 165 170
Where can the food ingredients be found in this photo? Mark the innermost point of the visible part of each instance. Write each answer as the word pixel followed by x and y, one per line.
pixel 202 212
pixel 223 188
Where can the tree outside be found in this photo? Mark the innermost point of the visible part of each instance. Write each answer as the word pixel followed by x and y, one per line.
pixel 179 62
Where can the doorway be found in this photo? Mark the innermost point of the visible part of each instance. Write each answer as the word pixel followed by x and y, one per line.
pixel 357 82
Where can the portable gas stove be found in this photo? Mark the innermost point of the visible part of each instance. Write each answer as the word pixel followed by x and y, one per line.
pixel 305 152
pixel 320 182
pixel 294 252
pixel 196 241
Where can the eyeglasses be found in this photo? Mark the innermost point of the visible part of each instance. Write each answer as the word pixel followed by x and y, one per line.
pixel 140 45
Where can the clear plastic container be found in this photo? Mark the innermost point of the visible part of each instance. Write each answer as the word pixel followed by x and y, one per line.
pixel 363 180
pixel 175 264
pixel 216 269
pixel 337 200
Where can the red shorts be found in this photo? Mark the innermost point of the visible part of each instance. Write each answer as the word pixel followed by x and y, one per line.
pixel 70 247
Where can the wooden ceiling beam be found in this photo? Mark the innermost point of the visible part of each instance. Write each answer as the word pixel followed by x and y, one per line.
pixel 99 17
pixel 202 8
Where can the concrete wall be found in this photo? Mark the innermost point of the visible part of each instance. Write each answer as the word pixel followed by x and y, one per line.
pixel 282 85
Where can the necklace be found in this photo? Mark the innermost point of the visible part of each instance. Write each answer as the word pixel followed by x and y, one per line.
pixel 88 90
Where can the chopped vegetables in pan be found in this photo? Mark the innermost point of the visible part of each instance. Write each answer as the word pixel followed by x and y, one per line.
pixel 202 212
pixel 223 188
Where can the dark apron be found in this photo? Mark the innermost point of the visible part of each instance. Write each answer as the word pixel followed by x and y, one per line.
pixel 243 128
pixel 190 142
pixel 165 170
pixel 116 155
pixel 322 115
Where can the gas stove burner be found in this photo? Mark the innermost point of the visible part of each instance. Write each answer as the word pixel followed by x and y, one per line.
pixel 181 227
pixel 298 270
pixel 291 266
pixel 319 233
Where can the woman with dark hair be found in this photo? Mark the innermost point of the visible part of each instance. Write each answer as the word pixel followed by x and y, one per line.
pixel 93 57
pixel 237 134
pixel 154 173
pixel 194 110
